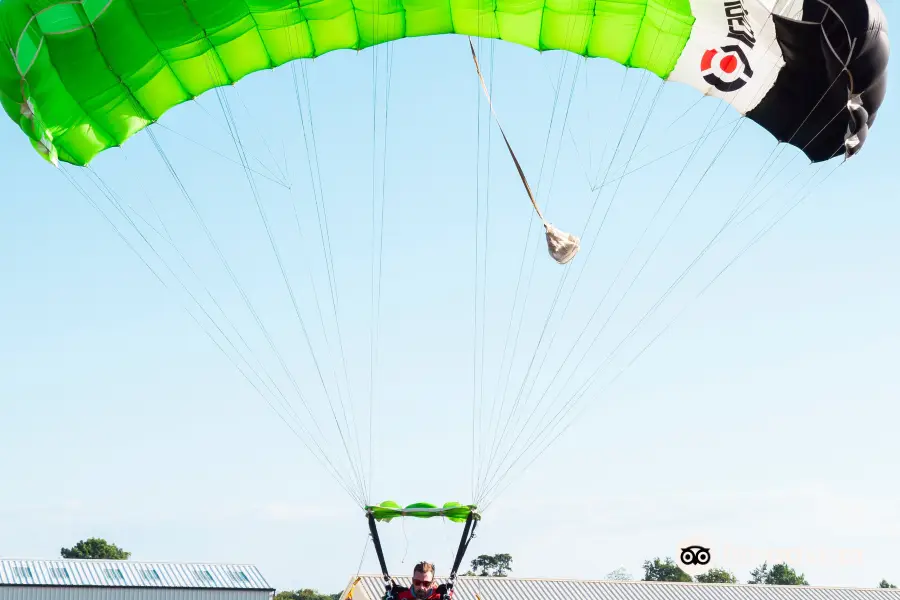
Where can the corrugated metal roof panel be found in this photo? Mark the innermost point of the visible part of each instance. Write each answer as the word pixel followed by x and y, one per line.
pixel 513 588
pixel 126 573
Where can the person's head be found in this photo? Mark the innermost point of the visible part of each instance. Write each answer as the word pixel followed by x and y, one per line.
pixel 423 580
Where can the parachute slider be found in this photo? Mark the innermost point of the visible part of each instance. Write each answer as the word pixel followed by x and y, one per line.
pixel 388 510
pixel 562 246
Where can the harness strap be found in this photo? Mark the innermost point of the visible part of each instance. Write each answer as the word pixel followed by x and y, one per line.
pixel 468 534
pixel 388 582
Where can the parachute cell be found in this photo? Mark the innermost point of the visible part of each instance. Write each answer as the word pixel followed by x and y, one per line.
pixel 82 77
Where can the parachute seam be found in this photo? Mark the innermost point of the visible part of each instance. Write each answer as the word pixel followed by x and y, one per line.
pixel 375 15
pixel 450 12
pixel 262 41
pixel 590 32
pixel 540 43
pixel 636 36
pixel 305 19
pixel 215 50
pixel 159 50
pixel 137 104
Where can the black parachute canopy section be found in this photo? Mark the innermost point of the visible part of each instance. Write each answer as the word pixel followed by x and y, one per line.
pixel 834 80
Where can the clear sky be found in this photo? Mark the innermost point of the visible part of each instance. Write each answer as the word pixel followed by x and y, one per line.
pixel 761 423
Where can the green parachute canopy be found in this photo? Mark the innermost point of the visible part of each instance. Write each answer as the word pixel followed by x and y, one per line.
pixel 456 512
pixel 82 77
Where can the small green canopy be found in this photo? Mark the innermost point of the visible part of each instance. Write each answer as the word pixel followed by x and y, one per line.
pixel 452 510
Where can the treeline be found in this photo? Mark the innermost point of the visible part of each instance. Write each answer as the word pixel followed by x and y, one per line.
pixel 499 565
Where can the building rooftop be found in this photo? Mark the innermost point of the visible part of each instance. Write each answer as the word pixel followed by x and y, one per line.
pixel 371 587
pixel 127 573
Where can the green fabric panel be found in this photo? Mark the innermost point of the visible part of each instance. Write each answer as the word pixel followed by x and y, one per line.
pixel 99 71
pixel 454 511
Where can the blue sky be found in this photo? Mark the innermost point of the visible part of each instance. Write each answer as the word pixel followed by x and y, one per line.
pixel 759 424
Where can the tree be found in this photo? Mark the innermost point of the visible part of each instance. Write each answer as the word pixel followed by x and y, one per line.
pixel 491 565
pixel 759 574
pixel 305 594
pixel 716 576
pixel 619 574
pixel 664 571
pixel 885 584
pixel 95 548
pixel 780 574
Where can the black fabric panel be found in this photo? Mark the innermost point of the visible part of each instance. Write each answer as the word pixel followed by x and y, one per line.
pixel 807 106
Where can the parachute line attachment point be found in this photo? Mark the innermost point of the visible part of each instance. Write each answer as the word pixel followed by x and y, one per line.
pixel 562 246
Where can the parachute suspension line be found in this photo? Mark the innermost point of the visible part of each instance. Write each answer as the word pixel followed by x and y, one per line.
pixel 578 63
pixel 584 330
pixel 557 90
pixel 387 97
pixel 139 109
pixel 668 325
pixel 662 156
pixel 214 121
pixel 317 192
pixel 694 105
pixel 561 284
pixel 323 459
pixel 476 267
pixel 493 424
pixel 325 237
pixel 212 241
pixel 271 176
pixel 583 266
pixel 263 138
pixel 226 108
pixel 480 267
pixel 348 421
pixel 587 384
pixel 111 197
pixel 240 288
pixel 590 165
pixel 377 232
pixel 565 275
pixel 519 278
pixel 373 325
pixel 239 146
pixel 348 591
pixel 609 288
pixel 487 231
pixel 780 150
pixel 323 217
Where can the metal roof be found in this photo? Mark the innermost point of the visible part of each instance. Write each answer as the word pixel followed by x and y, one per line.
pixel 513 588
pixel 127 573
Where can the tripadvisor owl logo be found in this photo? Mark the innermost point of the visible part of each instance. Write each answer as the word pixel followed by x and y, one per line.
pixel 694 559
pixel 727 68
